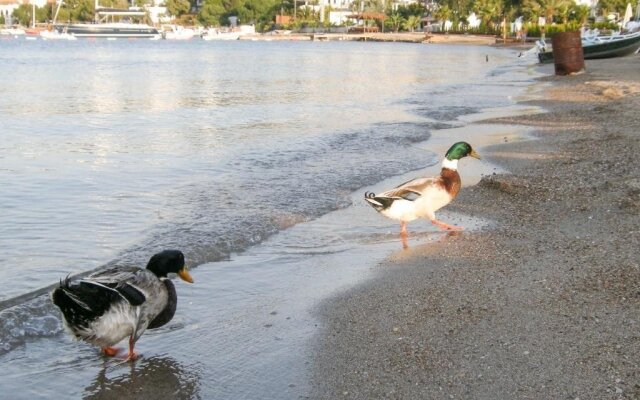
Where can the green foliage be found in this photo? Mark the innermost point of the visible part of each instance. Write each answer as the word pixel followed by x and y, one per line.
pixel 2 21
pixel 416 9
pixel 606 26
pixel 394 21
pixel 557 10
pixel 259 12
pixel 531 10
pixel 77 10
pixel 531 29
pixel 367 5
pixel 613 6
pixel 534 30
pixel 579 14
pixel 211 13
pixel 488 10
pixel 559 13
pixel 459 8
pixel 24 14
pixel 177 8
pixel 412 22
pixel 114 3
pixel 484 29
pixel 443 13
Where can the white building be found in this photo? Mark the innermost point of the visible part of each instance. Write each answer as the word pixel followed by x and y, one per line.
pixel 8 6
pixel 157 12
pixel 340 9
pixel 590 3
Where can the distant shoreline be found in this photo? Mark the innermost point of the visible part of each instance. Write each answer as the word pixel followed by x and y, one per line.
pixel 403 37
pixel 390 37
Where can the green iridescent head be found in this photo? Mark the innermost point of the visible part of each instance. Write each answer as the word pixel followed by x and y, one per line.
pixel 460 150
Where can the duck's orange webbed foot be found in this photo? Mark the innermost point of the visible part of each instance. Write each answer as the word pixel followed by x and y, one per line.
pixel 132 355
pixel 446 226
pixel 403 230
pixel 110 351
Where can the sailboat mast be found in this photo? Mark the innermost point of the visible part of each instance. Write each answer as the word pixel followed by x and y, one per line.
pixel 55 16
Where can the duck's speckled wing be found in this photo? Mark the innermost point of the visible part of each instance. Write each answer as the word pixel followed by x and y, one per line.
pixel 412 189
pixel 131 283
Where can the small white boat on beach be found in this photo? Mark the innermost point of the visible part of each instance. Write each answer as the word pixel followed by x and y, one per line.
pixel 177 32
pixel 12 31
pixel 217 34
pixel 228 33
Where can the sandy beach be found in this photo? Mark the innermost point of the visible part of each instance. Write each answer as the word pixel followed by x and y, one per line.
pixel 405 37
pixel 542 304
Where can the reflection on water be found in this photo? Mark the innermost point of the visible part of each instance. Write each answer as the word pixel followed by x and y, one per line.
pixel 152 378
pixel 204 147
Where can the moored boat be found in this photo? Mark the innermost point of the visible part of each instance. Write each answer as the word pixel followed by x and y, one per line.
pixel 594 47
pixel 54 34
pixel 177 32
pixel 216 34
pixel 110 30
pixel 114 29
pixel 12 31
pixel 228 33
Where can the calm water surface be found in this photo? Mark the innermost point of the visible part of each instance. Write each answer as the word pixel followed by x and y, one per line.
pixel 248 156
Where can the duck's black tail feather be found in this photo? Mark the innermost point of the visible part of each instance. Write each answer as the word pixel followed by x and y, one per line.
pixel 81 303
pixel 378 202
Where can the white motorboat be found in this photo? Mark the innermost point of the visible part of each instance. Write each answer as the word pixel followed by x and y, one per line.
pixel 177 32
pixel 56 35
pixel 217 34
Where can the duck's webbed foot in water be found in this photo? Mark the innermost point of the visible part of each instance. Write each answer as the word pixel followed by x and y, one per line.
pixel 132 355
pixel 446 226
pixel 403 229
pixel 110 351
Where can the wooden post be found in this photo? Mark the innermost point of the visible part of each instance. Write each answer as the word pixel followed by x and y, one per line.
pixel 504 30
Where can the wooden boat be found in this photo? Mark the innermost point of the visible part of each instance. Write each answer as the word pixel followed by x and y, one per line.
pixel 617 45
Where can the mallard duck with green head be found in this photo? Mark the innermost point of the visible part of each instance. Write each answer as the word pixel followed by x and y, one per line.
pixel 422 197
pixel 110 305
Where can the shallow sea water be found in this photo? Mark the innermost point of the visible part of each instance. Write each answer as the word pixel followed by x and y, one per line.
pixel 250 157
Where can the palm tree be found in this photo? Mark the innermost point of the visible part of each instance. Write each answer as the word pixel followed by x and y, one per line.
pixel 555 7
pixel 609 6
pixel 487 10
pixel 395 20
pixel 443 14
pixel 412 22
pixel 532 9
pixel 367 5
pixel 580 13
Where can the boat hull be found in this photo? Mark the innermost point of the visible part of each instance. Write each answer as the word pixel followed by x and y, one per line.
pixel 110 30
pixel 609 49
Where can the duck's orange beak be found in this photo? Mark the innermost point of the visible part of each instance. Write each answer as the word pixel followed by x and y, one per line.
pixel 184 275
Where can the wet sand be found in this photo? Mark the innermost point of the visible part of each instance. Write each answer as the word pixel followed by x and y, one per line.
pixel 542 304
